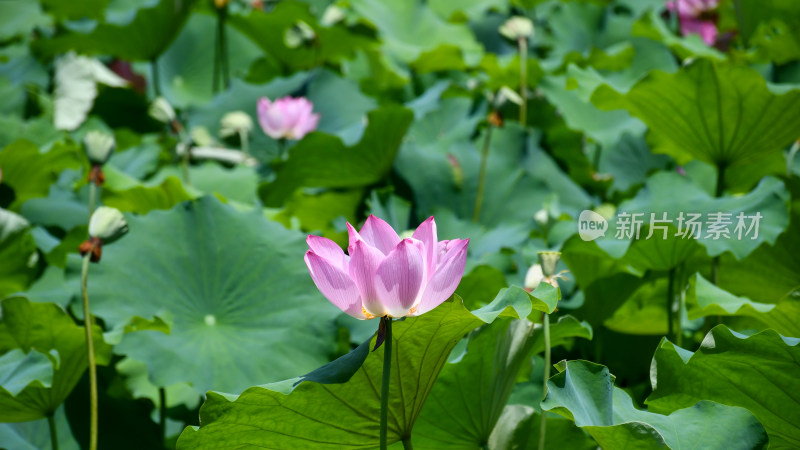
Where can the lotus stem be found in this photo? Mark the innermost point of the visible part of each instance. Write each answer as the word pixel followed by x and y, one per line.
pixel 162 423
pixel 220 52
pixel 543 418
pixel 244 143
pixel 387 368
pixel 87 322
pixel 51 421
pixel 92 198
pixel 407 444
pixel 155 76
pixel 476 214
pixel 670 303
pixel 720 189
pixel 679 302
pixel 522 43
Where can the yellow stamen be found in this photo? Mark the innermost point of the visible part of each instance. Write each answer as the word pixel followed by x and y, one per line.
pixel 366 314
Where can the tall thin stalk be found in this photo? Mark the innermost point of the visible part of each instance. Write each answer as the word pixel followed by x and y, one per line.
pixel 156 81
pixel 162 423
pixel 522 43
pixel 87 322
pixel 387 368
pixel 221 70
pixel 670 304
pixel 543 418
pixel 51 421
pixel 92 198
pixel 487 140
pixel 719 191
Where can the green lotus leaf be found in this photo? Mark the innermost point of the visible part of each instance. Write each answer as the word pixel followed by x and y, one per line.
pixel 771 272
pixel 720 113
pixel 18 255
pixel 321 160
pixel 481 381
pixel 585 393
pixel 20 370
pixel 46 328
pixel 757 372
pixel 226 280
pixel 267 30
pixel 21 18
pixel 35 435
pixel 673 194
pixel 408 29
pixel 703 299
pixel 30 172
pixel 338 404
pixel 142 37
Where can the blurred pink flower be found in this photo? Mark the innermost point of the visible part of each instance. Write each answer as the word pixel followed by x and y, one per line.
pixel 697 17
pixel 286 117
pixel 385 275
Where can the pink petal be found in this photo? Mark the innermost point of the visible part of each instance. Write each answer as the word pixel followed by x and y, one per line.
pixel 307 125
pixel 706 29
pixel 335 285
pixel 352 236
pixel 426 233
pixel 329 250
pixel 445 281
pixel 399 277
pixel 364 262
pixel 270 118
pixel 379 234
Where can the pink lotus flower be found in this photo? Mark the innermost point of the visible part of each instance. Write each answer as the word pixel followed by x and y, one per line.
pixel 697 17
pixel 286 117
pixel 385 275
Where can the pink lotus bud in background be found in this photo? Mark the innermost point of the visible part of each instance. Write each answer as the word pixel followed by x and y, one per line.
pixel 697 17
pixel 287 117
pixel 383 275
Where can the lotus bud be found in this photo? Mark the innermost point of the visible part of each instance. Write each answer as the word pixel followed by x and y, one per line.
pixel 299 34
pixel 533 277
pixel 332 15
pixel 162 111
pixel 235 122
pixel 99 147
pixel 542 217
pixel 201 137
pixel 107 224
pixel 549 260
pixel 517 27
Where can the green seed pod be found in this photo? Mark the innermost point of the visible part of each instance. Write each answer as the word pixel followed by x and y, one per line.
pixel 517 27
pixel 548 260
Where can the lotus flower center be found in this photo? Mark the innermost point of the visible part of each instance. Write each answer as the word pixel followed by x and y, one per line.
pixel 210 320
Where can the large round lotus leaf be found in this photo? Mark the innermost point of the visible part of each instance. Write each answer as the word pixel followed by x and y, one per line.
pixel 242 306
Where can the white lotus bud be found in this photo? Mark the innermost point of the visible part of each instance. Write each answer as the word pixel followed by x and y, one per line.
pixel 235 122
pixel 517 27
pixel 507 94
pixel 99 146
pixel 298 34
pixel 332 15
pixel 201 136
pixel 107 224
pixel 161 110
pixel 542 217
pixel 533 277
